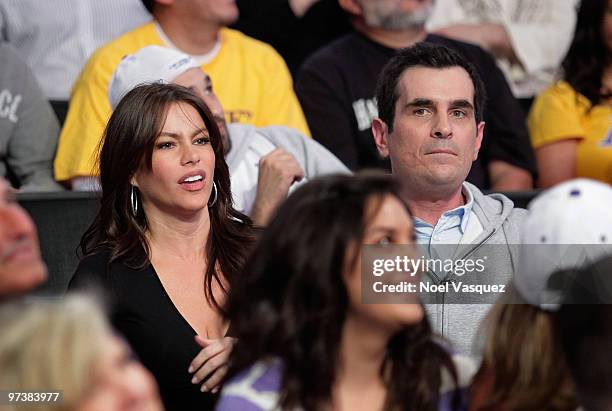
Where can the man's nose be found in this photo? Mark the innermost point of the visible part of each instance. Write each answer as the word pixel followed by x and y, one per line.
pixel 441 127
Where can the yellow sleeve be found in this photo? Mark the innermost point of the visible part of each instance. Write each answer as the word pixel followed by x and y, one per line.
pixel 555 115
pixel 280 105
pixel 87 116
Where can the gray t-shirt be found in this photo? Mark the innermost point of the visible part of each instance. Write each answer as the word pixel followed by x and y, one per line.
pixel 28 126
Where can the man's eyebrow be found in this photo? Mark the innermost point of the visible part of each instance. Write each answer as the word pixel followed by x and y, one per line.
pixel 420 102
pixel 461 104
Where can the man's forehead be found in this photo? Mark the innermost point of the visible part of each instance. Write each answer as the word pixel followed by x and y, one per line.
pixel 435 84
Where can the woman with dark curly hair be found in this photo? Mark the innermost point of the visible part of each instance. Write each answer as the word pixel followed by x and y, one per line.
pixel 570 122
pixel 305 339
pixel 167 243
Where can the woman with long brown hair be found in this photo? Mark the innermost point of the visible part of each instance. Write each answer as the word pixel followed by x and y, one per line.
pixel 167 243
pixel 306 339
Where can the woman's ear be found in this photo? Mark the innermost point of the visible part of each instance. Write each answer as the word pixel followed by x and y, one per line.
pixel 134 181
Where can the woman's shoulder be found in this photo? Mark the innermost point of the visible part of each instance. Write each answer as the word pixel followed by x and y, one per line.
pixel 91 270
pixel 562 91
pixel 96 269
pixel 253 389
pixel 466 369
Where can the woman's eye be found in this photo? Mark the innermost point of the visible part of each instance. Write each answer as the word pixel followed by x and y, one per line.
pixel 386 240
pixel 201 140
pixel 165 145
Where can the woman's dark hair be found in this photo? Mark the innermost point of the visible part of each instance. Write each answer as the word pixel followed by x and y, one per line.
pixel 291 302
pixel 148 4
pixel 584 328
pixel 588 56
pixel 127 146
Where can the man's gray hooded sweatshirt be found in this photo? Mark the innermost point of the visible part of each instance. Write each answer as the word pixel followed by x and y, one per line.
pixel 457 316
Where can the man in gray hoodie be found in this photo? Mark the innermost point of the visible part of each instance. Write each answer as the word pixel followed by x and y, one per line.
pixel 430 103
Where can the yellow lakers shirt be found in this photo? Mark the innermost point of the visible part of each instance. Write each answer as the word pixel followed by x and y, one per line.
pixel 561 113
pixel 249 77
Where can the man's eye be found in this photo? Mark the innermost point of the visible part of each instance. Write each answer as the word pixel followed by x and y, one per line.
pixel 421 112
pixel 458 114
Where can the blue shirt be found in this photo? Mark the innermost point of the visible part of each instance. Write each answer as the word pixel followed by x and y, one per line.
pixel 451 225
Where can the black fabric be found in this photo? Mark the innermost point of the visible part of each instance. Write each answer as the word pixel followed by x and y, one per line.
pixel 60 107
pixel 340 80
pixel 273 22
pixel 144 314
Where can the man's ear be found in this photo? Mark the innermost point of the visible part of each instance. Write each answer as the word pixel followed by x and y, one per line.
pixel 351 6
pixel 380 131
pixel 479 135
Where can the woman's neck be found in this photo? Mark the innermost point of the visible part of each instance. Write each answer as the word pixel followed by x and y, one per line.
pixel 362 353
pixel 184 237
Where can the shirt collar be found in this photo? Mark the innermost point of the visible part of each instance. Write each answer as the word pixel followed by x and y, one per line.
pixel 463 212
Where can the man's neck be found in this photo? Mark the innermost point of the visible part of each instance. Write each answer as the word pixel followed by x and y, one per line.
pixel 395 39
pixel 430 210
pixel 188 36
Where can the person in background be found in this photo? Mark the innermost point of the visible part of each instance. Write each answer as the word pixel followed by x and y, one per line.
pixel 306 340
pixel 570 123
pixel 56 38
pixel 167 244
pixel 265 163
pixel 528 38
pixel 67 345
pixel 336 87
pixel 254 84
pixel 28 128
pixel 295 28
pixel 21 265
pixel 567 227
pixel 584 327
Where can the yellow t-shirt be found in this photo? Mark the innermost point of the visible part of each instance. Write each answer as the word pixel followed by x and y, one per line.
pixel 249 77
pixel 561 113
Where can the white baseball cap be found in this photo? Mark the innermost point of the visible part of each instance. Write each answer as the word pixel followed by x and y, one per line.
pixel 567 227
pixel 151 64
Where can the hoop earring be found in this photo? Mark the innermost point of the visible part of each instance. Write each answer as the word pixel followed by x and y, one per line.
pixel 215 198
pixel 134 201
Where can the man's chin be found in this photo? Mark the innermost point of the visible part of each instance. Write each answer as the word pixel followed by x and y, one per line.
pixel 31 275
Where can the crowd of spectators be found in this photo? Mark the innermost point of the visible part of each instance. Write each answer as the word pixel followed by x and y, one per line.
pixel 252 158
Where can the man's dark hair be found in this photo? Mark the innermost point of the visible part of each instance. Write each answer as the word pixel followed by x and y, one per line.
pixel 148 5
pixel 422 55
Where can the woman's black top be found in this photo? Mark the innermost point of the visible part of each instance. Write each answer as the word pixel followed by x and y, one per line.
pixel 144 314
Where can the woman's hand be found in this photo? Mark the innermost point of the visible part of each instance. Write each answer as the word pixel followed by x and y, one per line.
pixel 211 362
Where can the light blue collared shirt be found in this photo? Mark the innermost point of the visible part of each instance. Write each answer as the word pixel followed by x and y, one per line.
pixel 452 225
